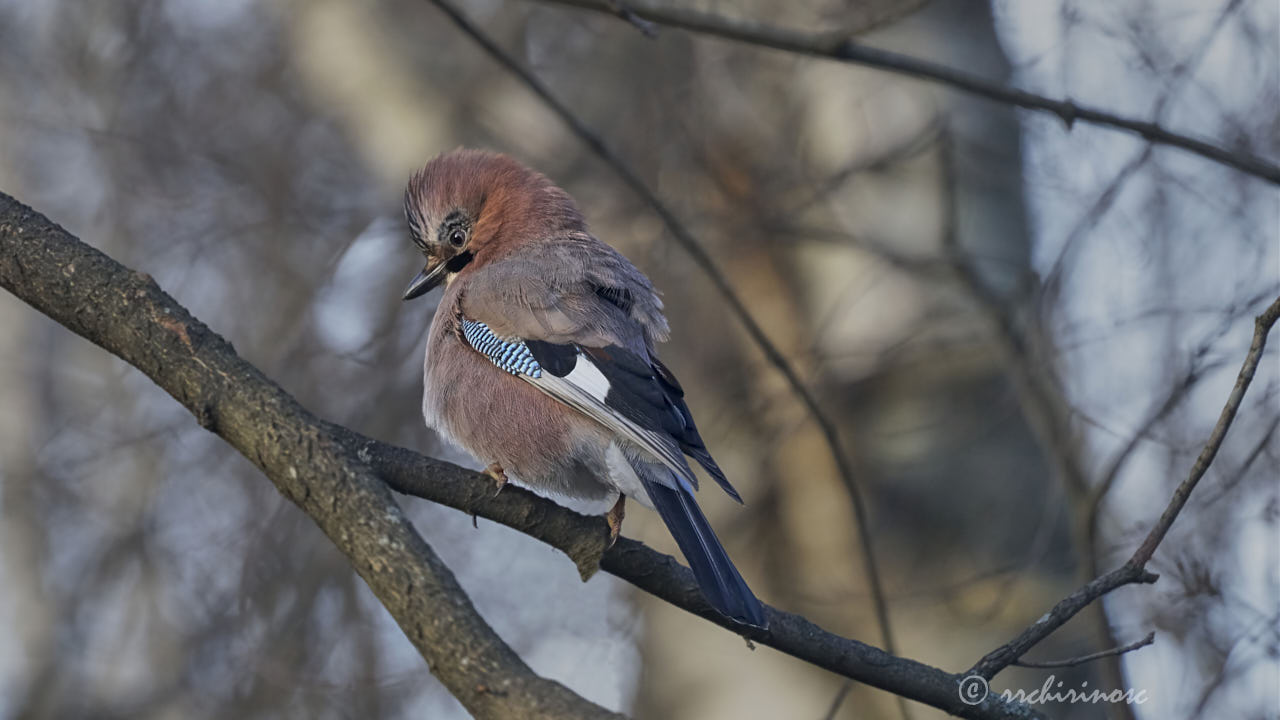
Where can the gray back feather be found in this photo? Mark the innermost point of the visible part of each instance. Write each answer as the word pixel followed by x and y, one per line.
pixel 568 289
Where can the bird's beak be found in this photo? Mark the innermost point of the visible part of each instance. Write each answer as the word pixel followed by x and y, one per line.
pixel 425 281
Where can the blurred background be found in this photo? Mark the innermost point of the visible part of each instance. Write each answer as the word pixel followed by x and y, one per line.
pixel 1022 334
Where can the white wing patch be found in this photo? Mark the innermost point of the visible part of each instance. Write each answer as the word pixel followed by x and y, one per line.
pixel 585 388
pixel 588 378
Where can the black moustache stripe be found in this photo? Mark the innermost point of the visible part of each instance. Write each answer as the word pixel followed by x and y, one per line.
pixel 457 262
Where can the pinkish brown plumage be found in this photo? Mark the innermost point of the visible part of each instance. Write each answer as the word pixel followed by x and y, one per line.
pixel 541 358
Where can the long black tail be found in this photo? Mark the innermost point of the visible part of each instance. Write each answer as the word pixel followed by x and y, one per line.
pixel 721 584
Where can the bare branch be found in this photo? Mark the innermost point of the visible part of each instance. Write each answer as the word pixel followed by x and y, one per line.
pixel 1261 328
pixel 337 477
pixel 1112 472
pixel 1069 662
pixel 620 8
pixel 1134 570
pixel 841 48
pixel 1006 654
pixel 838 700
pixel 1229 484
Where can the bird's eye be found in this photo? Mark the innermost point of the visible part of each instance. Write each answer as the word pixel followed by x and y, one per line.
pixel 457 237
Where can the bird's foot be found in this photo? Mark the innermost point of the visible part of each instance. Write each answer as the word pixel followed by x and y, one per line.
pixel 614 518
pixel 499 476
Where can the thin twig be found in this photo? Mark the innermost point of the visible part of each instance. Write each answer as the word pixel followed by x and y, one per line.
pixel 1090 524
pixel 1102 204
pixel 838 700
pixel 622 10
pixel 1134 570
pixel 1229 484
pixel 722 285
pixel 1067 608
pixel 1251 635
pixel 1070 662
pixel 1098 494
pixel 1262 327
pixel 1106 199
pixel 1182 72
pixel 841 48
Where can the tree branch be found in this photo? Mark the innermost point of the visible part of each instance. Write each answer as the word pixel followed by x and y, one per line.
pixel 336 476
pixel 128 315
pixel 1070 662
pixel 1261 328
pixel 841 48
pixel 1134 570
pixel 583 539
pixel 619 8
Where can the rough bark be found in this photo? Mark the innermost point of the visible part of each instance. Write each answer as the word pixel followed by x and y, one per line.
pixel 127 314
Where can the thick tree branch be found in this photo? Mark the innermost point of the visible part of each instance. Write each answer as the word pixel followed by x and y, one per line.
pixel 841 48
pixel 127 314
pixel 584 538
pixel 334 475
pixel 1134 570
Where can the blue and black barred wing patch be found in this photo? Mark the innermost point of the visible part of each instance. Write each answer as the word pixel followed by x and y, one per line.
pixel 510 355
pixel 570 374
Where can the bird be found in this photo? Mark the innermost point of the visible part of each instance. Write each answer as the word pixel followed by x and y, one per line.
pixel 541 357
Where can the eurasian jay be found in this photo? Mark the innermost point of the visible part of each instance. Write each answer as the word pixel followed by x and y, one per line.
pixel 541 361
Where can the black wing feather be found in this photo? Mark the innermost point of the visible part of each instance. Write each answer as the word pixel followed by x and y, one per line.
pixel 643 392
pixel 691 441
pixel 559 360
pixel 620 298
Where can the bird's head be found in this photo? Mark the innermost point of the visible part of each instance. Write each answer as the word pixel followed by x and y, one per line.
pixel 467 208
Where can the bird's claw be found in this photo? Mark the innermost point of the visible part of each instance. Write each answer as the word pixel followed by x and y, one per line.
pixel 614 519
pixel 499 476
